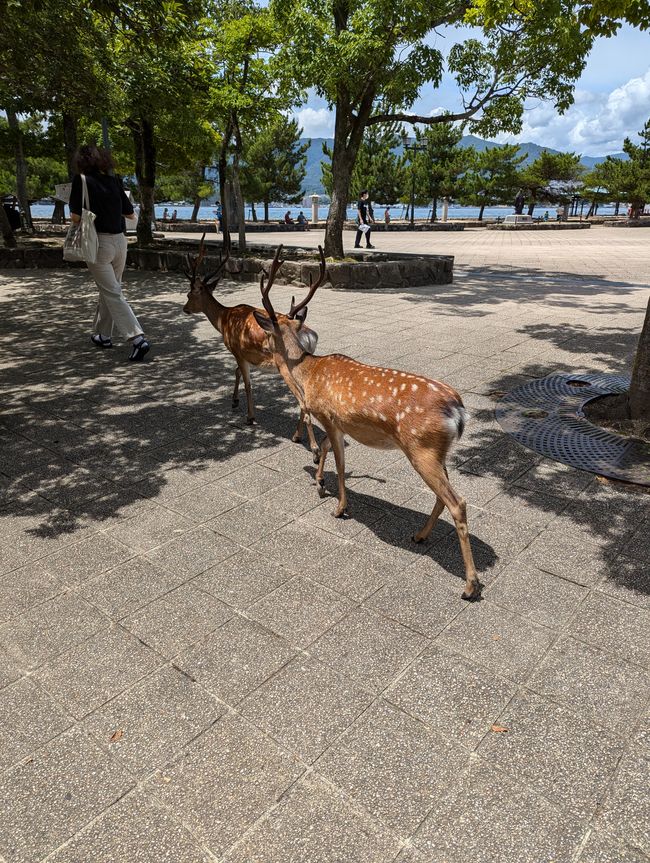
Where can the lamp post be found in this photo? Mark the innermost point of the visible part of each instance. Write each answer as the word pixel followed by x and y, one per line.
pixel 416 149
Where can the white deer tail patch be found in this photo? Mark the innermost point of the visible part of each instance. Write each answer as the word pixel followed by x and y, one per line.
pixel 455 418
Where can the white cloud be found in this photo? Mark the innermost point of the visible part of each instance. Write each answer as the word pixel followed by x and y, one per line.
pixel 596 123
pixel 315 122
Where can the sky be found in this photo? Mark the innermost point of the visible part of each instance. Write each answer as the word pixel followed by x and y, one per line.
pixel 612 101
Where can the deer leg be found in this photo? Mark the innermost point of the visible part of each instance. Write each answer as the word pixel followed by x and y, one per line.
pixel 245 373
pixel 235 395
pixel 305 419
pixel 435 477
pixel 336 439
pixel 320 483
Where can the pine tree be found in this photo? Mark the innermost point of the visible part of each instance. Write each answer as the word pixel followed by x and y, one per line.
pixel 493 177
pixel 274 164
pixel 439 164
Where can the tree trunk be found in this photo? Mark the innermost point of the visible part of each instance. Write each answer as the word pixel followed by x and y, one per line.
pixel 145 172
pixel 195 210
pixel 21 168
pixel 531 208
pixel 223 186
pixel 616 208
pixel 5 229
pixel 640 386
pixel 58 215
pixel 480 213
pixel 238 203
pixel 253 211
pixel 70 143
pixel 266 211
pixel 434 209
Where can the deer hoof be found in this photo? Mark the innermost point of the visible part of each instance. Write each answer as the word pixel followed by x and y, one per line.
pixel 474 593
pixel 316 456
pixel 417 538
pixel 340 513
pixel 250 421
pixel 296 438
pixel 235 403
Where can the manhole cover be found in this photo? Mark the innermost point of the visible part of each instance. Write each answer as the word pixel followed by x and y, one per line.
pixel 546 416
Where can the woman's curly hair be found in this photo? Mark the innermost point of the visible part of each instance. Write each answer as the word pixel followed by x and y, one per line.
pixel 90 157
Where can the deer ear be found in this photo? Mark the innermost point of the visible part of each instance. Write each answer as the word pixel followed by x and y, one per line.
pixel 301 315
pixel 307 339
pixel 264 321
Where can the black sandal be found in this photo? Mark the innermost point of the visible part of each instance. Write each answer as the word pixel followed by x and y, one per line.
pixel 101 342
pixel 139 351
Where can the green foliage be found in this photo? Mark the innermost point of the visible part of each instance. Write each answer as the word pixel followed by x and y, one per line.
pixel 552 176
pixel 379 166
pixel 493 176
pixel 636 173
pixel 274 161
pixel 440 162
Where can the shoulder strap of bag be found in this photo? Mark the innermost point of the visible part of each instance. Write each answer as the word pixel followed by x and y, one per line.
pixel 85 202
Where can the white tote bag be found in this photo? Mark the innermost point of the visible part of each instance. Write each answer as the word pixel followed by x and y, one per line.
pixel 81 241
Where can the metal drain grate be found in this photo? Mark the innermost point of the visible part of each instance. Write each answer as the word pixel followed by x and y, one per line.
pixel 546 416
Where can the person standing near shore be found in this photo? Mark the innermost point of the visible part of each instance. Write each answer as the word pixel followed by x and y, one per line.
pixel 364 212
pixel 110 205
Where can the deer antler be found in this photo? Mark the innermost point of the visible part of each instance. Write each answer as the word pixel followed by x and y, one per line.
pixel 212 278
pixel 275 266
pixel 194 263
pixel 293 311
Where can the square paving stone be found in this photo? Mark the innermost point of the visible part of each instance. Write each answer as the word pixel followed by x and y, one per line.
pixel 306 706
pixel 24 588
pixel 295 497
pixel 252 481
pixel 503 641
pixel 91 673
pixel 235 659
pixel 487 816
pixel 393 765
pixel 625 813
pixel 9 670
pixel 213 500
pixel 249 521
pixel 525 507
pixel 458 698
pixel 128 587
pixel 28 719
pixel 242 579
pixel 367 646
pixel 297 545
pixel 601 849
pixel 150 724
pixel 638 545
pixel 575 558
pixel 627 579
pixel 555 751
pixel 556 479
pixel 151 527
pixel 537 596
pixel 135 828
pixel 177 620
pixel 225 781
pixel 87 559
pixel 619 628
pixel 590 681
pixel 312 823
pixel 354 571
pixel 193 552
pixel 424 604
pixel 49 629
pixel 300 610
pixel 361 514
pixel 57 792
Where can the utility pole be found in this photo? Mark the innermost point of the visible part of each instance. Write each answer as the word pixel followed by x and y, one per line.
pixel 416 149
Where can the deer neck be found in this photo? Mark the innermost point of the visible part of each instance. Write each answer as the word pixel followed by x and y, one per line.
pixel 296 375
pixel 214 311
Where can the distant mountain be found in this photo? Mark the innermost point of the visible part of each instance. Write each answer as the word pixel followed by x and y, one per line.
pixel 312 183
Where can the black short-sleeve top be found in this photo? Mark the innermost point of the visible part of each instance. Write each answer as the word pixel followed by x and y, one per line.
pixel 107 201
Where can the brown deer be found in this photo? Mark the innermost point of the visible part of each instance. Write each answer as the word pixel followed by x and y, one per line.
pixel 378 407
pixel 243 337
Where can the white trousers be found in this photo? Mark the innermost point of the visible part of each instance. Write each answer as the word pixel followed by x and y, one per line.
pixel 113 311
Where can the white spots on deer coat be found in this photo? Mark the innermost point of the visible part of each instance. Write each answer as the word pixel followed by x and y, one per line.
pixel 414 387
pixel 394 391
pixel 433 386
pixel 402 387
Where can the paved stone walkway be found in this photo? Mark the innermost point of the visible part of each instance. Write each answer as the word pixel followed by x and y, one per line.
pixel 197 663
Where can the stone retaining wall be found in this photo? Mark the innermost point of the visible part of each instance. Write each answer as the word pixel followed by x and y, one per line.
pixel 280 227
pixel 373 271
pixel 539 226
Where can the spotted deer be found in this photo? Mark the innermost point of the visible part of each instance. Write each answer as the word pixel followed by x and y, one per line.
pixel 378 407
pixel 241 333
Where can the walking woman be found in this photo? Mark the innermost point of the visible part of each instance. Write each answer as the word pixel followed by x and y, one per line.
pixel 111 207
